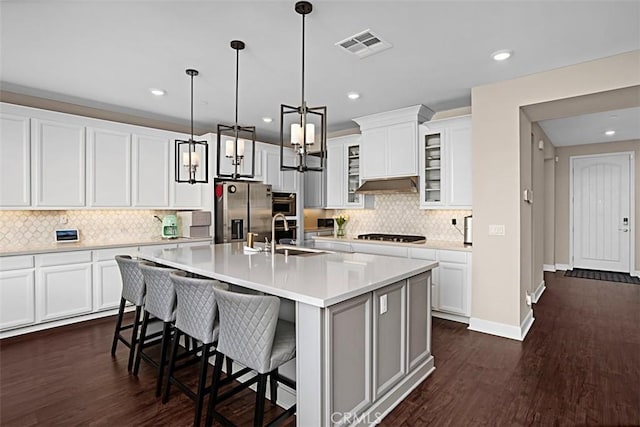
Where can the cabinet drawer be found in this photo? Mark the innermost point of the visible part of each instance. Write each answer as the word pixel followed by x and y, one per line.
pixel 380 249
pixel 453 256
pixel 16 262
pixel 152 248
pixel 61 258
pixel 428 254
pixel 110 254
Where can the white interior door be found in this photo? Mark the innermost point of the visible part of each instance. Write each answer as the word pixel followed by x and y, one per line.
pixel 601 212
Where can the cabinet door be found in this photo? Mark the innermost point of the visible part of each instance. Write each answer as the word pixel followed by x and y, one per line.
pixel 290 177
pixel 335 176
pixel 402 150
pixel 59 151
pixel 150 171
pixel 352 180
pixel 107 285
pixel 458 152
pixel 452 292
pixel 64 291
pixel 271 172
pixel 373 153
pixel 348 326
pixel 418 319
pixel 17 298
pixel 389 337
pixel 15 161
pixel 314 186
pixel 109 155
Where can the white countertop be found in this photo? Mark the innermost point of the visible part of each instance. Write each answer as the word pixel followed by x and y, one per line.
pixel 320 280
pixel 31 249
pixel 429 244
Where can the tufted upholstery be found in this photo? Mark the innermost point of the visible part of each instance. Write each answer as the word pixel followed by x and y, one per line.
pixel 251 333
pixel 133 287
pixel 161 294
pixel 196 307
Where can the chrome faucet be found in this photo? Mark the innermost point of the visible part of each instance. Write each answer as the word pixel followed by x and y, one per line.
pixel 273 230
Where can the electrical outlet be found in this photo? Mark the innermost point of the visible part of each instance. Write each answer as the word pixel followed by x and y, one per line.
pixel 63 219
pixel 528 299
pixel 454 221
pixel 383 304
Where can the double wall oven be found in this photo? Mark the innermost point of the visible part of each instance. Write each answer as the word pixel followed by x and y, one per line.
pixel 285 203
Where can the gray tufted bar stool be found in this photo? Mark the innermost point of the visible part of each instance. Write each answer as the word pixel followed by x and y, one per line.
pixel 133 291
pixel 160 302
pixel 252 334
pixel 196 318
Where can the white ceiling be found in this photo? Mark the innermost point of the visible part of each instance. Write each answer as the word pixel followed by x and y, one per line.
pixel 591 128
pixel 107 54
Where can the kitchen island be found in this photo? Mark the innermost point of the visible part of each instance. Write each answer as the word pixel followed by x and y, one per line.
pixel 363 323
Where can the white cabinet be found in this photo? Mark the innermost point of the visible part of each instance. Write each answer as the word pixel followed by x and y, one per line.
pixel 15 161
pixel 445 164
pixel 285 181
pixel 107 281
pixel 390 142
pixel 63 285
pixel 150 171
pixel 314 185
pixel 59 163
pixel 17 292
pixel 377 249
pixel 343 174
pixel 109 162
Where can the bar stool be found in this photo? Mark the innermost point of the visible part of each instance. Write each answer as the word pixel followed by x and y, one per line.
pixel 133 290
pixel 196 318
pixel 252 334
pixel 160 302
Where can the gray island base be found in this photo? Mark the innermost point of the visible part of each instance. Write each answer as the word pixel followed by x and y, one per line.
pixel 363 323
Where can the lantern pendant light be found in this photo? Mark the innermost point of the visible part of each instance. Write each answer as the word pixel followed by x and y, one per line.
pixel 305 128
pixel 235 137
pixel 192 157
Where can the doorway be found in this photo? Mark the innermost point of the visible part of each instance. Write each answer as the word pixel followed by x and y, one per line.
pixel 601 218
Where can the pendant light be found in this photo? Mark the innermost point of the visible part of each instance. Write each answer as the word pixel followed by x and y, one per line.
pixel 235 137
pixel 192 157
pixel 305 127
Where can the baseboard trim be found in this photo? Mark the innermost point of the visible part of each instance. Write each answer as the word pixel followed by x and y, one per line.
pixel 449 316
pixel 549 267
pixel 538 292
pixel 636 273
pixel 563 267
pixel 502 329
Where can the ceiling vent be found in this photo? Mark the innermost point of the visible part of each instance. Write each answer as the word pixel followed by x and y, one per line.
pixel 364 44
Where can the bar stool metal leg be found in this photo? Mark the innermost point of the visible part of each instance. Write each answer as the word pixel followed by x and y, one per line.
pixel 143 333
pixel 166 337
pixel 118 327
pixel 260 395
pixel 273 382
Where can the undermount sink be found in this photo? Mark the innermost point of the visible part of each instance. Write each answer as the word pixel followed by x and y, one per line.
pixel 297 251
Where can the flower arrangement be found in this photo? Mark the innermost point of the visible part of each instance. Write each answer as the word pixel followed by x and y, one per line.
pixel 340 220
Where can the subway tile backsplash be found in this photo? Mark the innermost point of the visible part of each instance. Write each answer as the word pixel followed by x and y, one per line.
pixel 20 228
pixel 400 214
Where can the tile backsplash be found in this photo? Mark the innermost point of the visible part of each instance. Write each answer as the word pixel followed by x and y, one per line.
pixel 19 228
pixel 400 214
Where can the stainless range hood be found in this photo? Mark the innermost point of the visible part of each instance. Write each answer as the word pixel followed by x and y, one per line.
pixel 407 184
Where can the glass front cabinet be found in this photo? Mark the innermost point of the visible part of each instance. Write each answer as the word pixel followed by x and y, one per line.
pixel 445 164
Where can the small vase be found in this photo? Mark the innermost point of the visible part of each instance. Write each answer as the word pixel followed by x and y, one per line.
pixel 340 230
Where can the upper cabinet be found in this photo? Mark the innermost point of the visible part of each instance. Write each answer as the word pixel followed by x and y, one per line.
pixel 109 161
pixel 344 167
pixel 389 144
pixel 15 161
pixel 51 160
pixel 314 185
pixel 59 163
pixel 445 164
pixel 285 181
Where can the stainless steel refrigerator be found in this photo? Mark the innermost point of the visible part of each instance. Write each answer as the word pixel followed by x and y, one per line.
pixel 242 207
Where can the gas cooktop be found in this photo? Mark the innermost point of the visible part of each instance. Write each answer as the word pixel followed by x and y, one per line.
pixel 401 238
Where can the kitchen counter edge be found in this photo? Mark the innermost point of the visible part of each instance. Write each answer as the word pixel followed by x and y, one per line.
pixel 429 244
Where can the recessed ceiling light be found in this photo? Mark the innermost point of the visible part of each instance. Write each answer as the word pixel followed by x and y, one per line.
pixel 267 119
pixel 353 95
pixel 157 92
pixel 610 132
pixel 501 55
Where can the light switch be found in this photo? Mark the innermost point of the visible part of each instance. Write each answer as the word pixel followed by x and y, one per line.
pixel 383 304
pixel 496 230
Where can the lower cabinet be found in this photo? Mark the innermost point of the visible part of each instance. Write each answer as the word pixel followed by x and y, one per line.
pixel 107 282
pixel 63 285
pixel 17 298
pixel 373 342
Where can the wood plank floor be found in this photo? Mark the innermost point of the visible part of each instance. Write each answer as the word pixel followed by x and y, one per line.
pixel 580 365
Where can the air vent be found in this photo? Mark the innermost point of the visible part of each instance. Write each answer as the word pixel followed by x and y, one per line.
pixel 364 44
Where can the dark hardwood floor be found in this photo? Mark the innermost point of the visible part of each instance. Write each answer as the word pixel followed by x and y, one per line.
pixel 580 365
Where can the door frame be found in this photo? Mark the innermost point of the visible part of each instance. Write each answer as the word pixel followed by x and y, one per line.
pixel 632 204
